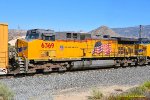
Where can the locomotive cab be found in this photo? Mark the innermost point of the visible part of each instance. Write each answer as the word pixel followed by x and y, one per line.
pixel 34 43
pixel 37 46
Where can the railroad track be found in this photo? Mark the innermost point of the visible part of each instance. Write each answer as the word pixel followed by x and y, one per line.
pixel 7 76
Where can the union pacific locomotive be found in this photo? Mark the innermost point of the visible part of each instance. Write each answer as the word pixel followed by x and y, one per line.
pixel 46 50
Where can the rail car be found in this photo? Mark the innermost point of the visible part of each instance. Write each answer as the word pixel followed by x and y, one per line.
pixel 3 48
pixel 47 50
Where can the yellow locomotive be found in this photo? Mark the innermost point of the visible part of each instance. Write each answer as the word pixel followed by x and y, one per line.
pixel 48 50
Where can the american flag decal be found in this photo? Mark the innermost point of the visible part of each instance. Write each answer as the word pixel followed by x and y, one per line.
pixel 98 48
pixel 102 48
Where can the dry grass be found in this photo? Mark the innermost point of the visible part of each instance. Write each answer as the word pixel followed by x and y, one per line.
pixel 96 95
pixel 146 85
pixel 5 93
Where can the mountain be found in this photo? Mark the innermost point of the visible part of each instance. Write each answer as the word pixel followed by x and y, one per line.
pixel 13 41
pixel 102 31
pixel 14 33
pixel 133 31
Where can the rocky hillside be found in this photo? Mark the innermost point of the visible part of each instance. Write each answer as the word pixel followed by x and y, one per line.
pixel 133 31
pixel 104 30
pixel 13 33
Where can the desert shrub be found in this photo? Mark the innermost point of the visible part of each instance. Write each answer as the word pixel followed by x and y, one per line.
pixel 5 92
pixel 146 85
pixel 96 95
pixel 137 91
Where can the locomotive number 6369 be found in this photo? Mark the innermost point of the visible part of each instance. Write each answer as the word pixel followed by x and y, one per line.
pixel 47 45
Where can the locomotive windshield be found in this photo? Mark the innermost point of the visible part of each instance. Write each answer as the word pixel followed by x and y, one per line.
pixel 47 35
pixel 32 36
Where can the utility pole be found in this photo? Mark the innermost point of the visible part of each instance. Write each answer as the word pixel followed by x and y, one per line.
pixel 19 31
pixel 140 34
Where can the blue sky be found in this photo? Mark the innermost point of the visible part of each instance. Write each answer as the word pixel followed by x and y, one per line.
pixel 74 15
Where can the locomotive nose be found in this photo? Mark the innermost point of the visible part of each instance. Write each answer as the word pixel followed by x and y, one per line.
pixel 21 48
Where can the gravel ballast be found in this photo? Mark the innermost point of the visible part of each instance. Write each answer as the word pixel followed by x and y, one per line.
pixel 44 86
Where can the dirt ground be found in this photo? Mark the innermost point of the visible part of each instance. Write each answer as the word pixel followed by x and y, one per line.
pixel 80 94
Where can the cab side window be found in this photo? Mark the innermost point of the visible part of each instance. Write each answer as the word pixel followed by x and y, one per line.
pixel 48 38
pixel 75 35
pixel 68 35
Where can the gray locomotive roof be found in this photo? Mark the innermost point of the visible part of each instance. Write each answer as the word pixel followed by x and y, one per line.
pixel 125 39
pixel 42 31
pixel 73 32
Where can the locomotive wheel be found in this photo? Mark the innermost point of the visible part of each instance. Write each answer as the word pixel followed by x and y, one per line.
pixel 141 61
pixel 69 66
pixel 125 62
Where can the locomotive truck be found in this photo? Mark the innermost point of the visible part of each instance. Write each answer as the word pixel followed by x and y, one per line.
pixel 47 50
